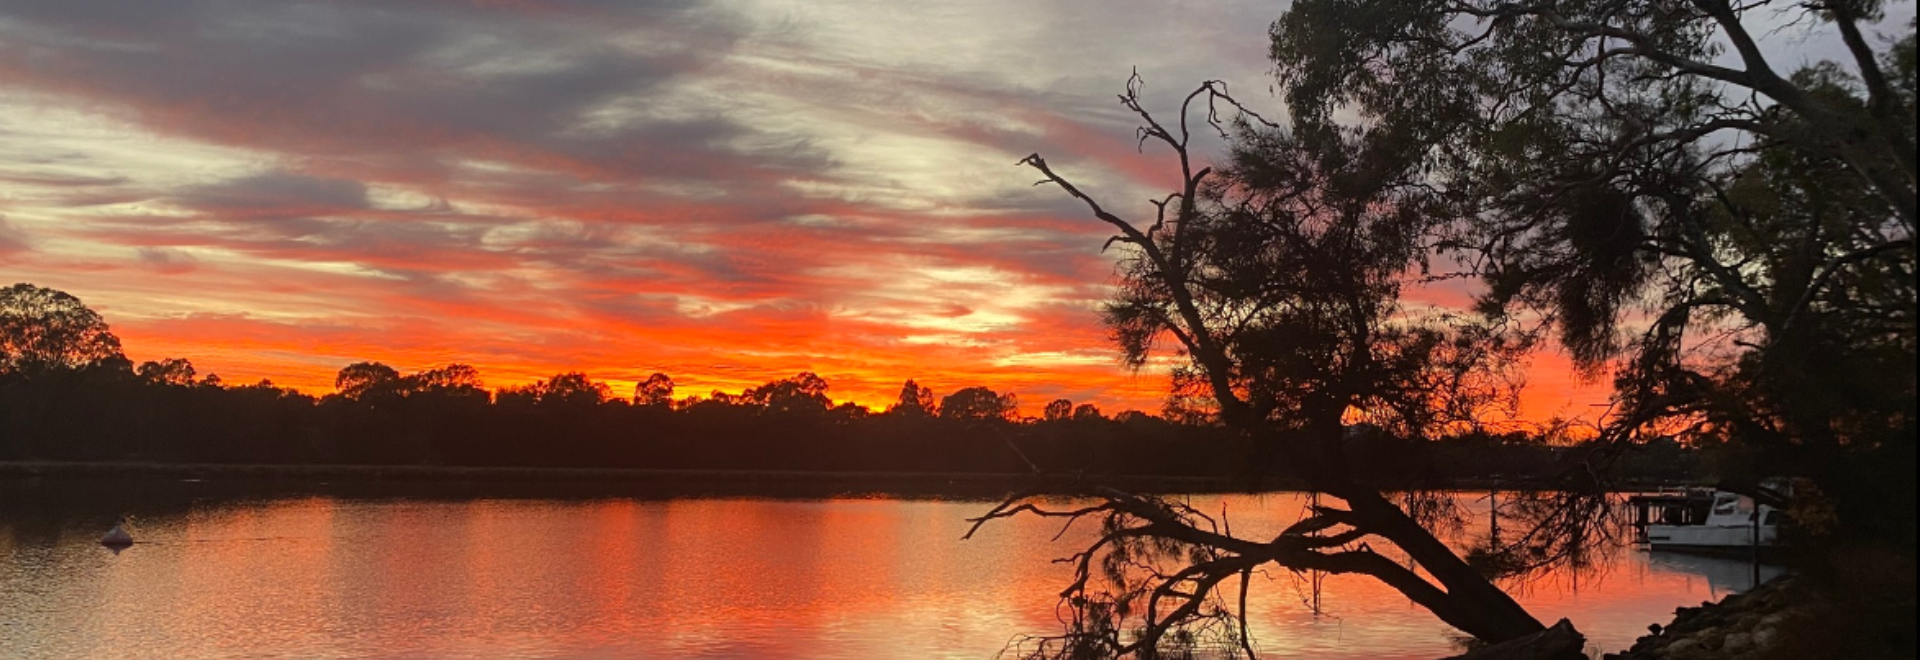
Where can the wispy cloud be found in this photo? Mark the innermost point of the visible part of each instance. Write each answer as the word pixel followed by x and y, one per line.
pixel 730 191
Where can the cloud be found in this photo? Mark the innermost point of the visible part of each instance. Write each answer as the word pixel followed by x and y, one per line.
pixel 276 195
pixel 406 90
pixel 11 239
pixel 167 262
pixel 730 191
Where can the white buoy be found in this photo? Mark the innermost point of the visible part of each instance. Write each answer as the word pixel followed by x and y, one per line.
pixel 116 537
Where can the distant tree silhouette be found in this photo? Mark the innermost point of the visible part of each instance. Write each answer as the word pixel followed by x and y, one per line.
pixel 451 378
pixel 43 330
pixel 1057 410
pixel 656 390
pixel 979 403
pixel 366 381
pixel 571 389
pixel 166 412
pixel 914 401
pixel 804 393
pixel 171 371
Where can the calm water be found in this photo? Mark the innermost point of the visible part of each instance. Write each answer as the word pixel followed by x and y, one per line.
pixel 332 577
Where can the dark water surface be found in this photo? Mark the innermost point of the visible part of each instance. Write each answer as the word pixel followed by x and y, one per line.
pixel 220 575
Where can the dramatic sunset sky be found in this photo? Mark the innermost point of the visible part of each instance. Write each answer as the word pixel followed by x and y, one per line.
pixel 729 191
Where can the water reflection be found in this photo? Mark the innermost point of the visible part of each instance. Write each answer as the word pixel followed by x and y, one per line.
pixel 312 576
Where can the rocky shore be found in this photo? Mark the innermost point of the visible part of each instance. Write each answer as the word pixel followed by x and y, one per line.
pixel 1743 626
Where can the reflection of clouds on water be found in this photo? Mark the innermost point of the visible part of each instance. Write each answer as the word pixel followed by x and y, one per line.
pixel 1724 576
pixel 445 575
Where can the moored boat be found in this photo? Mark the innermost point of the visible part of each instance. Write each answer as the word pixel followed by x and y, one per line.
pixel 1705 521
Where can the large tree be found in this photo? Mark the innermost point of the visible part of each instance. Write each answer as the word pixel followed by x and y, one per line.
pixel 656 391
pixel 369 381
pixel 803 394
pixel 43 330
pixel 979 403
pixel 1732 238
pixel 915 401
pixel 1277 277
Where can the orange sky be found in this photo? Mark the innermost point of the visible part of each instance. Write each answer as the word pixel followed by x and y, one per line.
pixel 728 191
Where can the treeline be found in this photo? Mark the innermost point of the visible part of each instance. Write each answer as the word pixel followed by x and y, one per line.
pixel 161 412
pixel 443 417
pixel 68 393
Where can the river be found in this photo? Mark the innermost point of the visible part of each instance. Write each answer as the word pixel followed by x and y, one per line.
pixel 871 577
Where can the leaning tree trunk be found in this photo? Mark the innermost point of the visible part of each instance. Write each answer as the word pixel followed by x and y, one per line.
pixel 1168 265
pixel 1472 603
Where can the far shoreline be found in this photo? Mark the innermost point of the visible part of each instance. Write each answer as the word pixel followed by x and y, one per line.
pixel 616 481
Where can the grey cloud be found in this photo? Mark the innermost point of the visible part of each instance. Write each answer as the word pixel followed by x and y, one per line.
pixel 276 193
pixel 167 261
pixel 11 239
pixel 390 82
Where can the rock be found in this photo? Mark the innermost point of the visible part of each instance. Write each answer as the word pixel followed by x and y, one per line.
pixel 1741 627
pixel 1737 642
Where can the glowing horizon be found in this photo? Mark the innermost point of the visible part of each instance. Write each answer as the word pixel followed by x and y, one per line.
pixel 726 191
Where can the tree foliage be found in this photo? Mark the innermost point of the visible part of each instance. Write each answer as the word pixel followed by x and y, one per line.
pixel 368 380
pixel 1057 410
pixel 1732 239
pixel 979 403
pixel 1277 276
pixel 43 330
pixel 804 393
pixel 571 389
pixel 656 390
pixel 914 400
pixel 177 372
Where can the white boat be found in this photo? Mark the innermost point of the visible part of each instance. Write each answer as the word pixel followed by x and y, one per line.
pixel 1732 524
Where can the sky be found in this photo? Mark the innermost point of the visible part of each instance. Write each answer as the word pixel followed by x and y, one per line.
pixel 727 191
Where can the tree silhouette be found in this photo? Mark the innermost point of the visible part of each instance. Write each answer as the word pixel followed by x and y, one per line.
pixel 1729 232
pixel 368 381
pixel 171 371
pixel 44 330
pixel 1278 276
pixel 453 377
pixel 444 416
pixel 570 389
pixel 914 401
pixel 804 393
pixel 1057 410
pixel 979 403
pixel 656 390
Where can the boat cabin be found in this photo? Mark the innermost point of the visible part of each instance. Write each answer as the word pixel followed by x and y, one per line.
pixel 1686 506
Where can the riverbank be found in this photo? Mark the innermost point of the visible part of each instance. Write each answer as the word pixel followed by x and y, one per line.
pixel 1742 626
pixel 621 477
pixel 615 481
pixel 477 481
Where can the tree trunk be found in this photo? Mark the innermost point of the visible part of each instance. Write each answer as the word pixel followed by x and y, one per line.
pixel 1561 642
pixel 1473 604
